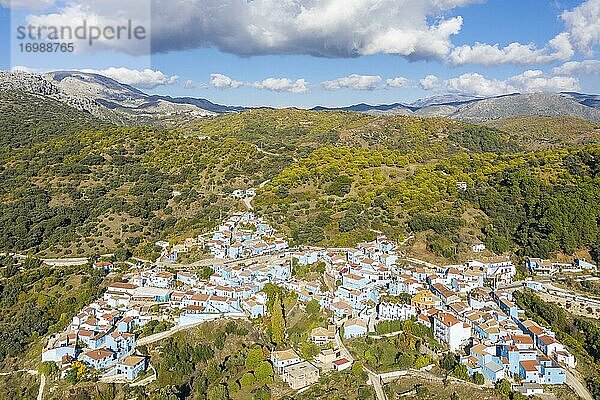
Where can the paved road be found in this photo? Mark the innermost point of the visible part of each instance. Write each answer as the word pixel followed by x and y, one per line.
pixel 248 203
pixel 343 350
pixel 377 384
pixel 42 386
pixel 216 261
pixel 64 262
pixel 575 383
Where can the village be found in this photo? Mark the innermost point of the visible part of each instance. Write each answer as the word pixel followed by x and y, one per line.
pixel 469 308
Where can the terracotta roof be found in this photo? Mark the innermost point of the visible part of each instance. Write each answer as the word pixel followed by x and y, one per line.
pixel 341 361
pixel 447 319
pixel 99 354
pixel 547 340
pixel 522 339
pixel 530 365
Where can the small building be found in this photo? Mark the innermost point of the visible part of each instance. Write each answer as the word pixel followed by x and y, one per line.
pixel 321 336
pixel 448 329
pixel 300 375
pixel 540 266
pixel 341 364
pixel 395 311
pixel 477 247
pixel 327 357
pixel 131 366
pixel 355 328
pixel 424 300
pixel 529 389
pixel 284 358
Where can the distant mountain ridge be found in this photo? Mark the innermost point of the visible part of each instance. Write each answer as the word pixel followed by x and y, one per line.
pixel 480 109
pixel 107 99
pixel 111 101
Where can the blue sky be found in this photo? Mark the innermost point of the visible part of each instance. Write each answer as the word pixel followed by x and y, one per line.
pixel 205 56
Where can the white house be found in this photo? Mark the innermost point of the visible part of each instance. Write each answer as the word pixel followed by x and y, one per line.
pixel 395 311
pixel 283 358
pixel 448 329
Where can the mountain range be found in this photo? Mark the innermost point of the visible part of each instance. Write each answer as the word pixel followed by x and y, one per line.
pixel 111 101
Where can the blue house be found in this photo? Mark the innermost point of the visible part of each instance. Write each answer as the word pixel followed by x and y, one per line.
pixel 553 374
pixel 354 328
pixel 131 367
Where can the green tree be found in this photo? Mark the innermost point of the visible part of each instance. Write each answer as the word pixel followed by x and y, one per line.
pixel 247 380
pixel 212 373
pixel 460 371
pixel 309 350
pixel 121 254
pixel 254 357
pixel 277 322
pixel 504 387
pixel 166 393
pixel 448 362
pixel 421 390
pixel 217 392
pixel 313 307
pixel 478 378
pixel 264 372
pixel 47 368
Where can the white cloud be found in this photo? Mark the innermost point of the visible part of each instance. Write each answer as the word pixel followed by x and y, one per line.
pixel 582 32
pixel 397 82
pixel 416 29
pixel 30 4
pixel 537 81
pixel 354 81
pixel 430 82
pixel 90 22
pixel 283 85
pixel 478 85
pixel 144 79
pixel 586 67
pixel 558 49
pixel 221 81
pixel 583 26
pixel 190 84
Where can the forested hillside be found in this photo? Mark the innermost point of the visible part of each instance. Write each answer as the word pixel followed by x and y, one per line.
pixel 70 185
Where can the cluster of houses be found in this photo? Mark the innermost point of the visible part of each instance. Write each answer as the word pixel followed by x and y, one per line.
pixel 463 305
pixel 101 337
pixel 244 235
pixel 539 266
pixel 459 304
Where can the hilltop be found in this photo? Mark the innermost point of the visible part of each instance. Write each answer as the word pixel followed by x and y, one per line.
pixel 72 184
